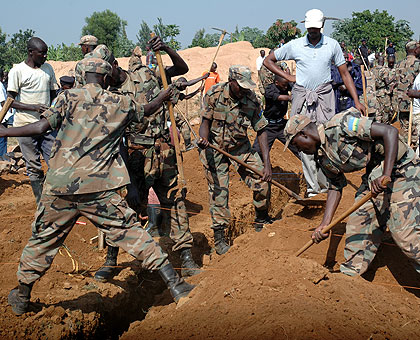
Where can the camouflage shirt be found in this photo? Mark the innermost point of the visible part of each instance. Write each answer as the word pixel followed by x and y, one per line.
pixel 85 157
pixel 347 146
pixel 101 52
pixel 267 77
pixel 386 79
pixel 407 70
pixel 230 118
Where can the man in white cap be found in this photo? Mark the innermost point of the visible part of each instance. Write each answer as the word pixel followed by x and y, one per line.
pixel 313 94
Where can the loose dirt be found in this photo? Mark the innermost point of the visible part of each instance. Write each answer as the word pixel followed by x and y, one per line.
pixel 258 290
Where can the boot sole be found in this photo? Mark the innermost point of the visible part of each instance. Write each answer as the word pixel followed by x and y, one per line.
pixel 183 294
pixel 16 310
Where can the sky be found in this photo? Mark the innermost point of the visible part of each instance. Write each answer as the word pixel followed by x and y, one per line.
pixel 62 21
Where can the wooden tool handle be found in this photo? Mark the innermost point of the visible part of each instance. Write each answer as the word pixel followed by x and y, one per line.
pixel 337 220
pixel 172 117
pixel 259 173
pixel 6 107
pixel 222 36
pixel 410 123
pixel 364 83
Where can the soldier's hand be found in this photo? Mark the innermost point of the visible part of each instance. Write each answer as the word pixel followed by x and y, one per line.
pixel 133 196
pixel 360 107
pixel 267 173
pixel 318 236
pixel 166 95
pixel 377 185
pixel 157 44
pixel 203 143
pixel 412 93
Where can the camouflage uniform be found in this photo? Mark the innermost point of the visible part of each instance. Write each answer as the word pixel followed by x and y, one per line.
pixel 152 156
pixel 266 77
pixel 385 84
pixel 372 101
pixel 101 52
pixel 230 120
pixel 407 70
pixel 86 169
pixel 347 146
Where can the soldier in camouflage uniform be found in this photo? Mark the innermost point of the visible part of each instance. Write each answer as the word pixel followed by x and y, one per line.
pixel 152 160
pixel 407 70
pixel 229 109
pixel 266 77
pixel 86 170
pixel 386 81
pixel 349 142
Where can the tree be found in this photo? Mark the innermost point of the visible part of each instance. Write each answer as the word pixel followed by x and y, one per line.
pixel 3 50
pixel 205 40
pixel 17 49
pixel 109 28
pixel 281 30
pixel 375 27
pixel 252 34
pixel 166 32
pixel 64 53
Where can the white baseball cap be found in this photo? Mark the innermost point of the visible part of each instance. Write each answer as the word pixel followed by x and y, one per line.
pixel 314 18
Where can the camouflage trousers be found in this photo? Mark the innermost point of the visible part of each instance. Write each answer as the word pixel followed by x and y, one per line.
pixel 108 211
pixel 385 110
pixel 157 168
pixel 216 169
pixel 404 117
pixel 398 208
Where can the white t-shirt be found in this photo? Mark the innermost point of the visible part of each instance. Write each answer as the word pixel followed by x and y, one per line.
pixel 260 62
pixel 371 57
pixel 33 86
pixel 416 101
pixel 3 97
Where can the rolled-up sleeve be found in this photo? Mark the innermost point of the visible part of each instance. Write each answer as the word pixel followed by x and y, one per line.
pixel 54 115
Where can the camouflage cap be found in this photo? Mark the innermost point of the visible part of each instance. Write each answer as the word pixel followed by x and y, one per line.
pixel 242 75
pixel 96 65
pixel 102 52
pixel 88 40
pixel 295 124
pixel 411 44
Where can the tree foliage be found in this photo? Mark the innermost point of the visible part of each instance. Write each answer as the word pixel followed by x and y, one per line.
pixel 14 51
pixel 281 30
pixel 64 52
pixel 374 27
pixel 167 33
pixel 204 40
pixel 252 34
pixel 109 28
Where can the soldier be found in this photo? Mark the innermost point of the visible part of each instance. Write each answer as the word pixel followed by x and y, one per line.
pixel 86 170
pixel 385 83
pixel 407 70
pixel 266 77
pixel 349 142
pixel 88 43
pixel 151 159
pixel 229 109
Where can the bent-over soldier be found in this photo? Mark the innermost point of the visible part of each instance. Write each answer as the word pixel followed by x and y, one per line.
pixel 350 142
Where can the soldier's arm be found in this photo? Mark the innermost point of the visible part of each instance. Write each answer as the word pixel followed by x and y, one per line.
pixel 179 65
pixel 204 133
pixel 195 81
pixel 190 95
pixel 34 129
pixel 413 93
pixel 156 103
pixel 333 200
pixel 348 82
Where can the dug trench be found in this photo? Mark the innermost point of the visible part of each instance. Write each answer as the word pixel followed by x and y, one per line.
pixel 257 290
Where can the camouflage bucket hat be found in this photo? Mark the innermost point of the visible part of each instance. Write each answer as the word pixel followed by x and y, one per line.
pixel 295 124
pixel 96 65
pixel 411 44
pixel 242 75
pixel 88 40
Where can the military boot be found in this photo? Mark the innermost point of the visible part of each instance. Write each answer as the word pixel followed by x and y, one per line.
pixel 189 267
pixel 220 243
pixel 261 218
pixel 109 269
pixel 19 298
pixel 176 284
pixel 37 189
pixel 153 214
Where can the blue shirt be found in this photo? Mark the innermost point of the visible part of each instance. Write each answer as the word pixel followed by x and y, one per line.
pixel 313 63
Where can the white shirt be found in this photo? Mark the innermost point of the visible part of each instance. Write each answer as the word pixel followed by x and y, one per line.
pixel 3 97
pixel 33 86
pixel 260 62
pixel 416 101
pixel 371 57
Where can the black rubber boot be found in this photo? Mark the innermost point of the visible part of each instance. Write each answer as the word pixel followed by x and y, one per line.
pixel 189 267
pixel 261 218
pixel 153 214
pixel 19 298
pixel 109 269
pixel 176 284
pixel 220 243
pixel 37 189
